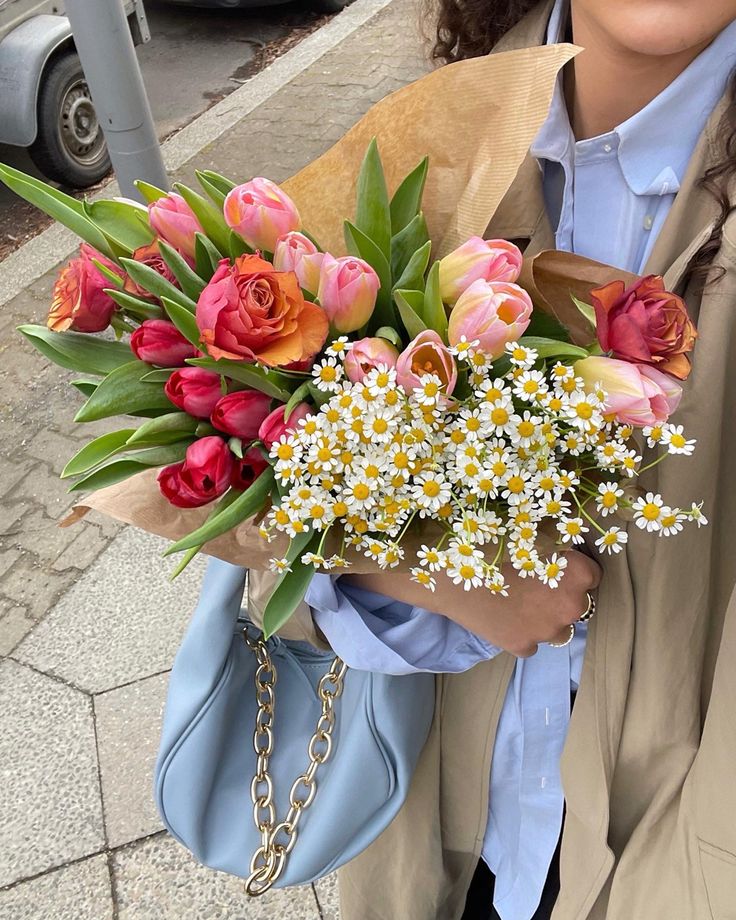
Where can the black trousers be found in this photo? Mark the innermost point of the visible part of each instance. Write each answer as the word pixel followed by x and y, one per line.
pixel 479 902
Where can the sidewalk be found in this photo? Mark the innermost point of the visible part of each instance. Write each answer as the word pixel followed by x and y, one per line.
pixel 89 622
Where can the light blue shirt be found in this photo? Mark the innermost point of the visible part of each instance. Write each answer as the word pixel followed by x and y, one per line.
pixel 609 197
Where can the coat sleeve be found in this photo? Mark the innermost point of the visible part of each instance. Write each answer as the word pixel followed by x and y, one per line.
pixel 374 633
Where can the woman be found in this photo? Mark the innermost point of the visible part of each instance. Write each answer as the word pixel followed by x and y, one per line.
pixel 632 168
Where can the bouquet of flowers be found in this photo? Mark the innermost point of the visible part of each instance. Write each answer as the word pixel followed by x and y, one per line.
pixel 379 408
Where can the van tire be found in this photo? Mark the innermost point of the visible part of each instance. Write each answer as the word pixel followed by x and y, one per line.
pixel 69 147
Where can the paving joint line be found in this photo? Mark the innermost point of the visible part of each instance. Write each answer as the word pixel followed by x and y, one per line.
pixel 55 677
pixel 103 810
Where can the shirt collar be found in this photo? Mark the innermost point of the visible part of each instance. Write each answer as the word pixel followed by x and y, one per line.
pixel 654 146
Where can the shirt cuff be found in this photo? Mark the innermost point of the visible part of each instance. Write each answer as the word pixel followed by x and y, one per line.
pixel 371 632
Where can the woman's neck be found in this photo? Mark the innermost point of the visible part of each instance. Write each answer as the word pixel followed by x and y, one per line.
pixel 607 84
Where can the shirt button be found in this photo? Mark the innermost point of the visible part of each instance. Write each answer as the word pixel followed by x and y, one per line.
pixel 648 222
pixel 607 148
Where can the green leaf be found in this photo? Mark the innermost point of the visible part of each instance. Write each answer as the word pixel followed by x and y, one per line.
pixel 210 189
pixel 187 557
pixel 123 392
pixel 136 307
pixel 358 244
pixel 545 325
pixel 410 304
pixel 85 387
pixel 551 348
pixel 77 351
pixel 299 395
pixel 150 280
pixel 159 375
pixel 56 204
pixel 319 397
pixel 206 257
pixel 373 213
pixel 112 276
pixel 123 223
pixel 246 505
pixel 123 468
pixel 191 284
pixel 391 335
pixel 92 454
pixel 292 586
pixel 268 382
pixel 434 314
pixel 210 218
pixel 238 246
pixel 586 309
pixel 222 183
pixel 412 278
pixel 165 429
pixel 149 192
pixel 184 321
pixel 407 200
pixel 406 243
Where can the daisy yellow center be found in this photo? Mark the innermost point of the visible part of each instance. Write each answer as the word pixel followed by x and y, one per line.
pixel 361 491
pixel 281 517
pixel 431 489
pixel 372 470
pixel 584 410
pixel 465 550
pixel 471 469
pixel 546 483
pixel 610 539
pixel 677 440
pixel 432 557
pixel 380 425
pixel 553 570
pixel 310 427
pixel 651 512
pixel 573 528
pixel 530 386
pixel 499 416
pixel 340 509
pixel 516 485
pixel 333 416
pixel 346 457
pixel 669 520
pixel 519 354
pixel 284 451
pixel 485 485
pixel 431 388
pixel 457 437
pixel 608 500
pixel 498 468
pixel 493 394
pixel 555 404
pixel 445 511
pixel 526 429
pixel 391 398
pixel 317 512
pixel 467 571
pixel 324 454
pixel 424 578
pixel 473 423
pixel 569 385
pixel 553 508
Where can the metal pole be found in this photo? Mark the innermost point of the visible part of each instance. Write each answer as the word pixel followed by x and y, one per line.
pixel 106 50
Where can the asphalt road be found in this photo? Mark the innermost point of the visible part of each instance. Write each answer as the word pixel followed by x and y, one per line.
pixel 195 57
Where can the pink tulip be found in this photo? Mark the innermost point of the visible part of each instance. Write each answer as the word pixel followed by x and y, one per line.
pixel 296 253
pixel 194 390
pixel 426 354
pixel 348 289
pixel 487 260
pixel 240 413
pixel 492 313
pixel 636 394
pixel 173 220
pixel 261 213
pixel 367 354
pixel 273 426
pixel 157 341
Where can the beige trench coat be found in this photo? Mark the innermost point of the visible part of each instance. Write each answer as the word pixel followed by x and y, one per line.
pixel 649 766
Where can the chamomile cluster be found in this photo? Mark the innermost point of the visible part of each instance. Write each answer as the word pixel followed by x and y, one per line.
pixel 520 450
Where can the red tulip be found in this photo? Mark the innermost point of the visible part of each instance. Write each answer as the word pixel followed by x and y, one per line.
pixel 203 476
pixel 157 341
pixel 246 471
pixel 241 413
pixel 194 390
pixel 274 426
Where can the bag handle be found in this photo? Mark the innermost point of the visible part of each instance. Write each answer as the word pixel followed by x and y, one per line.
pixel 278 840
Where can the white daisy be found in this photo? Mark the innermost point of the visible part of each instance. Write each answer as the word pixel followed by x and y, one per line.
pixel 612 541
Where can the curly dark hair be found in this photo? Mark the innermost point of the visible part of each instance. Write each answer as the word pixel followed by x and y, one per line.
pixel 471 28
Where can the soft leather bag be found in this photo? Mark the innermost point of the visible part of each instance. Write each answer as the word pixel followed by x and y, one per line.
pixel 207 759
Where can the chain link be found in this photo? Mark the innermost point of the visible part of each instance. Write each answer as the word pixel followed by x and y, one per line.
pixel 277 840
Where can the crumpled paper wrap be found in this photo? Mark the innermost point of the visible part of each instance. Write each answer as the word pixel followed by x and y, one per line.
pixel 475 120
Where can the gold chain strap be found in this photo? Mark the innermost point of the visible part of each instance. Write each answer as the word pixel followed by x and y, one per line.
pixel 278 840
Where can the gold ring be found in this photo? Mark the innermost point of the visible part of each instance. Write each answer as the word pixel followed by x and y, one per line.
pixel 589 611
pixel 567 641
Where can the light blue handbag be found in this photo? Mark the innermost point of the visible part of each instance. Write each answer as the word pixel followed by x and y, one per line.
pixel 212 786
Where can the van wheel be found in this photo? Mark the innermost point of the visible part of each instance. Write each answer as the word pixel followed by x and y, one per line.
pixel 329 6
pixel 70 146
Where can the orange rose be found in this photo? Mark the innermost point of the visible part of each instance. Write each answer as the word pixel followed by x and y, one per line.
pixel 79 299
pixel 251 312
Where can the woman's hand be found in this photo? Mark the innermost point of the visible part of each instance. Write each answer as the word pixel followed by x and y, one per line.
pixel 532 613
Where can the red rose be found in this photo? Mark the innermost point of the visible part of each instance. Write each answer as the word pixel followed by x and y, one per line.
pixel 194 390
pixel 149 255
pixel 251 312
pixel 157 341
pixel 79 299
pixel 273 426
pixel 246 471
pixel 203 476
pixel 241 413
pixel 645 324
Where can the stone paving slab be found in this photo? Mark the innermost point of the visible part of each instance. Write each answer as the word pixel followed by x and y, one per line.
pixel 329 902
pixel 49 790
pixel 128 727
pixel 122 621
pixel 159 880
pixel 77 892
